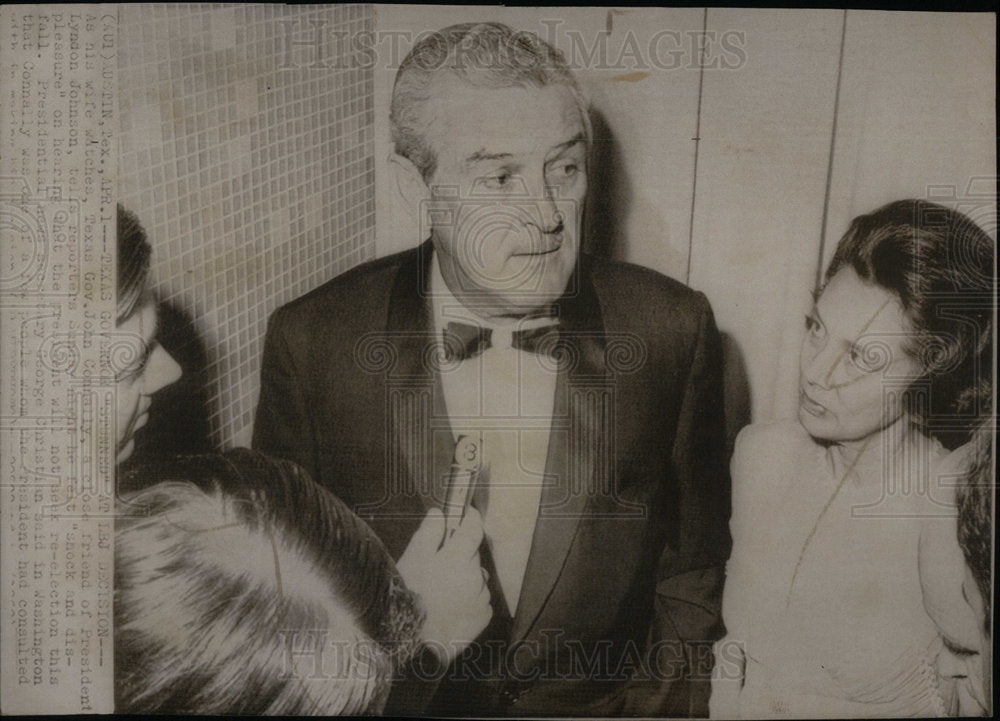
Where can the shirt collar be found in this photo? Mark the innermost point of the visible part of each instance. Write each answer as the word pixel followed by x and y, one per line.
pixel 447 308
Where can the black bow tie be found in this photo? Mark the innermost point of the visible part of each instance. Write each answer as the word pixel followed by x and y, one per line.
pixel 463 341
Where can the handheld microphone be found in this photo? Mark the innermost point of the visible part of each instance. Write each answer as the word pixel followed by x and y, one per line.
pixel 462 477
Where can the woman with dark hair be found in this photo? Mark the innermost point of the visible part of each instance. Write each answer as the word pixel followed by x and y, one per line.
pixel 823 603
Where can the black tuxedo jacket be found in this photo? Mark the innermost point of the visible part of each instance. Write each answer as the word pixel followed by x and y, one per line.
pixel 621 596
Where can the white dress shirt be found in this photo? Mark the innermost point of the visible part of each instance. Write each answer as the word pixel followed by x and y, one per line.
pixel 506 396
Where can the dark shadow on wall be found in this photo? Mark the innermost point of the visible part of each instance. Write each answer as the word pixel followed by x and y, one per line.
pixel 178 417
pixel 736 391
pixel 608 193
pixel 608 200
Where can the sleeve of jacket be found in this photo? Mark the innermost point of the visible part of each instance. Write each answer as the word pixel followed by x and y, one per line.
pixel 730 656
pixel 281 426
pixel 687 604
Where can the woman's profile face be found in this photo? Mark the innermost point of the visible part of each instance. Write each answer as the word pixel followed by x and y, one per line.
pixel 853 367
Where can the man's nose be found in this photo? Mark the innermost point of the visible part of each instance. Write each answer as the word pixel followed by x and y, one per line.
pixel 161 371
pixel 549 219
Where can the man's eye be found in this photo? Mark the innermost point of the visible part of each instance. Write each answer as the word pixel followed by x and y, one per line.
pixel 565 171
pixel 498 180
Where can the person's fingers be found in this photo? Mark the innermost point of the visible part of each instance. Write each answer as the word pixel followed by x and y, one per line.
pixel 429 533
pixel 469 534
pixel 470 581
pixel 473 518
pixel 475 569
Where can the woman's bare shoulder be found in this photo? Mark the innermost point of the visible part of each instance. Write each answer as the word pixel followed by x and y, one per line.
pixel 769 444
pixel 765 457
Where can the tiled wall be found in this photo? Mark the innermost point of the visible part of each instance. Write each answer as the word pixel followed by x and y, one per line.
pixel 251 171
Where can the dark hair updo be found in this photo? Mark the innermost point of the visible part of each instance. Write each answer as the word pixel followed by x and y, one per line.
pixel 940 265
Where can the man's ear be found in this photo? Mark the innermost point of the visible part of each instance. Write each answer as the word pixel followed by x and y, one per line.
pixel 412 192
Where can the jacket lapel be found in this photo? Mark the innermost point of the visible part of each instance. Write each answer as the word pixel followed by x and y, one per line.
pixel 579 454
pixel 421 442
pixel 419 436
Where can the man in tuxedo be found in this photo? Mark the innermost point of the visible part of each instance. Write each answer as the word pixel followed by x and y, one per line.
pixel 589 393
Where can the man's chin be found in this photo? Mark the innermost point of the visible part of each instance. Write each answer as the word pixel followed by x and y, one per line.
pixel 520 303
pixel 511 300
pixel 541 290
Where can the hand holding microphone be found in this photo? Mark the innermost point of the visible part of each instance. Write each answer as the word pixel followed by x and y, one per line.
pixel 462 478
pixel 442 563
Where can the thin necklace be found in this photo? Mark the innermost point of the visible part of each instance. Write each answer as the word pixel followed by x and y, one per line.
pixel 812 532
